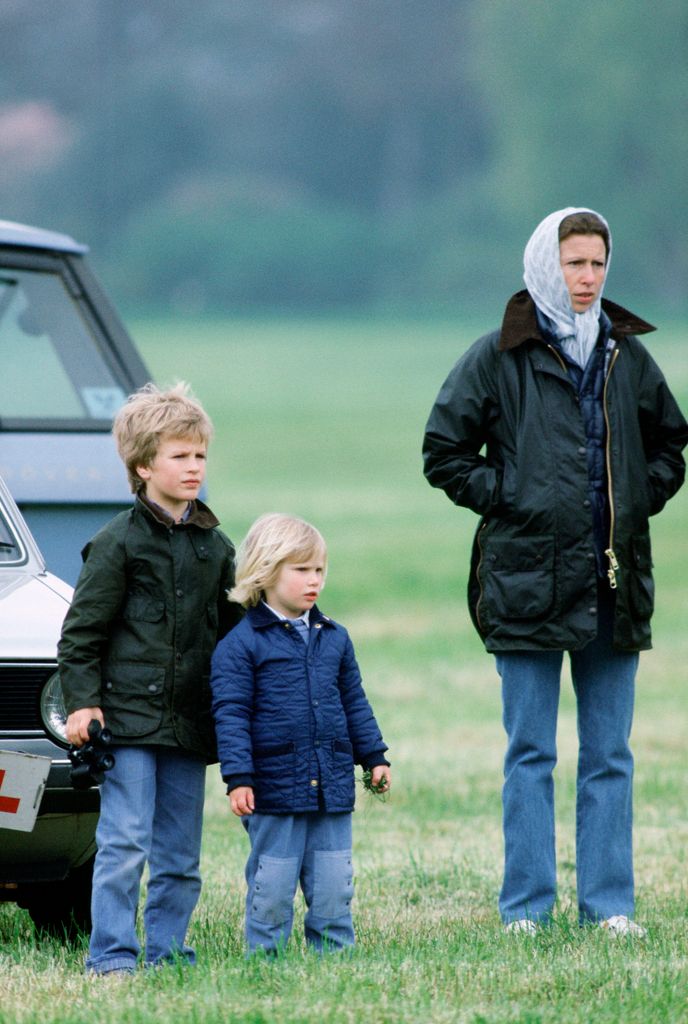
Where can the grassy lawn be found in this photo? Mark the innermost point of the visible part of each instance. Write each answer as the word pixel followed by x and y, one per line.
pixel 324 419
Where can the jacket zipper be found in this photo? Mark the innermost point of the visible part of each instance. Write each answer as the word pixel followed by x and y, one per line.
pixel 559 359
pixel 613 563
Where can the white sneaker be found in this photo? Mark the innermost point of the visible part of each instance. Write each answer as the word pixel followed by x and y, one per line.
pixel 523 925
pixel 619 924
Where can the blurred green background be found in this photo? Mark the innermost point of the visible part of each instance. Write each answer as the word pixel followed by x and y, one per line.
pixel 355 155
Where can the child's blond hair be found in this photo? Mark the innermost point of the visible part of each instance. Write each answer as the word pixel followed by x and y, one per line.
pixel 273 539
pixel 151 414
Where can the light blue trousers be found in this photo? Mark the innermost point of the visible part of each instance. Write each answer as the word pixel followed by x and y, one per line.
pixel 604 684
pixel 313 850
pixel 151 810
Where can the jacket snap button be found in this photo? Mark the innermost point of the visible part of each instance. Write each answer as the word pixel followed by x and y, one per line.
pixel 152 688
pixel 314 782
pixel 180 593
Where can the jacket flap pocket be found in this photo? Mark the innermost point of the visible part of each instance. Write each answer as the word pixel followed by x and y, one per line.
pixel 133 698
pixel 518 577
pixel 141 608
pixel 275 751
pixel 520 554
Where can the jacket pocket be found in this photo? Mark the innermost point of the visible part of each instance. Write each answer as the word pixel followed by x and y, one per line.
pixel 275 772
pixel 338 781
pixel 141 608
pixel 133 698
pixel 518 580
pixel 641 586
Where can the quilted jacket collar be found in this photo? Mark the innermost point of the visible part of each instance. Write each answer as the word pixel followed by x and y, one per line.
pixel 260 617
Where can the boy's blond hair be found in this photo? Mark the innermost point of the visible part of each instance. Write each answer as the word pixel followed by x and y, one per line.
pixel 273 540
pixel 151 414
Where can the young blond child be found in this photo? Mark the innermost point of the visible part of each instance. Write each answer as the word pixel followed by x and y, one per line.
pixel 149 607
pixel 292 719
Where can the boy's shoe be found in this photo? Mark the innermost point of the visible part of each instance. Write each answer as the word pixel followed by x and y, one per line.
pixel 524 925
pixel 619 924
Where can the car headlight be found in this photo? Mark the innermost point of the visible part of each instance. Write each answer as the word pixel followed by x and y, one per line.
pixel 53 710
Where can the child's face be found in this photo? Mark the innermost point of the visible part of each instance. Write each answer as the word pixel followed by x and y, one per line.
pixel 175 475
pixel 297 587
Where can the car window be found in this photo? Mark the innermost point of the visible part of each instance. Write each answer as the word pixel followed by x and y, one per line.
pixel 11 549
pixel 51 364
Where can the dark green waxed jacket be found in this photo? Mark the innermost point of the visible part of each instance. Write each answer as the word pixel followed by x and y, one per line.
pixel 506 439
pixel 149 606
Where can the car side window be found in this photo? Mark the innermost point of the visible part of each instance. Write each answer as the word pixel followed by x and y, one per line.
pixel 51 363
pixel 10 547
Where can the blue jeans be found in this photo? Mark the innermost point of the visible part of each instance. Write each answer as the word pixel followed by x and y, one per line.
pixel 313 850
pixel 151 810
pixel 604 684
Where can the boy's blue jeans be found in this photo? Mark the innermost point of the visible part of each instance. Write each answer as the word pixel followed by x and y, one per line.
pixel 151 810
pixel 313 850
pixel 604 684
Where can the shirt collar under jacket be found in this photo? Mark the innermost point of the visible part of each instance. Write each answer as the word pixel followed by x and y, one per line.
pixel 520 321
pixel 544 280
pixel 285 618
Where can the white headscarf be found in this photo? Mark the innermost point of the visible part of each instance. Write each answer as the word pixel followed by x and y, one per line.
pixel 544 280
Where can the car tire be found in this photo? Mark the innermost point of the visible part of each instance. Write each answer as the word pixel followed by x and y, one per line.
pixel 63 909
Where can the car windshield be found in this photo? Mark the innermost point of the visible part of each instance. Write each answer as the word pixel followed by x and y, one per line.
pixel 11 550
pixel 51 364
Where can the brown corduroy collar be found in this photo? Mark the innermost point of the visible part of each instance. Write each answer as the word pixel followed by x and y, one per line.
pixel 199 514
pixel 520 321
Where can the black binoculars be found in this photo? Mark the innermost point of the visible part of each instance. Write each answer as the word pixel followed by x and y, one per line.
pixel 90 762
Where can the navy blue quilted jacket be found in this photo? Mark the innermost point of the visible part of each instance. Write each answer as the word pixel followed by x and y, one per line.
pixel 292 720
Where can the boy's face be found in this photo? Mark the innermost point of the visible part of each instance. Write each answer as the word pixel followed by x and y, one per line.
pixel 175 475
pixel 297 587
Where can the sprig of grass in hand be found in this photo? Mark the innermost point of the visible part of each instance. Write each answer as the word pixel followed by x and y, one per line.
pixel 377 790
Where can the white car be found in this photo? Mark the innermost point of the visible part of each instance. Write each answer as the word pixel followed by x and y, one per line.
pixel 47 870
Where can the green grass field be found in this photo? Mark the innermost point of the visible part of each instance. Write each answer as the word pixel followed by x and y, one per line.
pixel 324 419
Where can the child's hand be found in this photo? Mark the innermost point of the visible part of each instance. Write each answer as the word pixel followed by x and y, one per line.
pixel 381 778
pixel 241 800
pixel 76 726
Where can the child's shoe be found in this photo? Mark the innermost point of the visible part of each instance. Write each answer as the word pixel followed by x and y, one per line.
pixel 525 926
pixel 619 924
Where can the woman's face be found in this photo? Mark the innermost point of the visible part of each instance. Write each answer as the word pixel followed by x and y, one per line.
pixel 583 259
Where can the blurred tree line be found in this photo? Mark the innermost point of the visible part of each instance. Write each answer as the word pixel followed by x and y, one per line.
pixel 235 155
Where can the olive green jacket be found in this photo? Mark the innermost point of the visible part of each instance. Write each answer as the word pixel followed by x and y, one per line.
pixel 149 606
